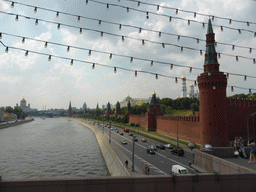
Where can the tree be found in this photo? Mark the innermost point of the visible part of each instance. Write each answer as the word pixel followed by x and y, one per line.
pixel 194 107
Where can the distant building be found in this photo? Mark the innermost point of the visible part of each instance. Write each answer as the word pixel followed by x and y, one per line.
pixel 26 108
pixel 133 101
pixel 70 113
pixel 191 94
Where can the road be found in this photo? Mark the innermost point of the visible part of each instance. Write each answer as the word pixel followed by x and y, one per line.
pixel 159 163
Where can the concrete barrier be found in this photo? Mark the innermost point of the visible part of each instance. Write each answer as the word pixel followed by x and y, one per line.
pixel 115 166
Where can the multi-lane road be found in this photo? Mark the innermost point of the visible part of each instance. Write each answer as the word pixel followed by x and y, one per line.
pixel 159 163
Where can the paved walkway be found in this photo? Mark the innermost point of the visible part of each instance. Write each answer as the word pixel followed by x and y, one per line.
pixel 242 162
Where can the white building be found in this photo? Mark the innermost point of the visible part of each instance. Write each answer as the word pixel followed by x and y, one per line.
pixel 191 93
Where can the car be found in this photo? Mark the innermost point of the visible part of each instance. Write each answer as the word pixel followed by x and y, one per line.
pixel 144 140
pixel 111 128
pixel 121 133
pixel 151 151
pixel 207 146
pixel 160 146
pixel 135 139
pixel 130 134
pixel 152 147
pixel 124 142
pixel 168 146
pixel 117 131
pixel 178 151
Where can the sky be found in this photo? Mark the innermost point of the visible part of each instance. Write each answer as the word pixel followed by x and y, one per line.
pixel 55 83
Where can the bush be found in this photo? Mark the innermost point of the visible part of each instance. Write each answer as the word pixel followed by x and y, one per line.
pixel 132 124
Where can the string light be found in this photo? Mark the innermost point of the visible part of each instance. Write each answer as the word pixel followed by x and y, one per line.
pixel 57 14
pixel 178 37
pixel 36 22
pixel 245 78
pixel 221 28
pixel 181 49
pixel 157 8
pixel 114 69
pixel 248 24
pixel 151 64
pixel 227 75
pixel 212 18
pixel 197 41
pixel 49 58
pixel 35 10
pixel 93 65
pixel 45 45
pixel 26 54
pixel 71 62
pixel 6 50
pixel 68 49
pixel 203 25
pixel 131 60
pixel 138 3
pixel 219 55
pixel 101 34
pixel 90 52
pixel 120 27
pixel 12 5
pixel 58 27
pixel 201 52
pixel 239 31
pixel 250 50
pixel 135 73
pixel 159 34
pixel 0 35
pixel 127 9
pixel 232 89
pixel 190 69
pixel 176 80
pixel 107 6
pixel 171 67
pixel 140 30
pixel 233 47
pixel 99 22
pixel 215 44
pixel 188 22
pixel 86 2
pixel 16 18
pixel 170 19
pixel 147 16
pixel 78 18
pixel 81 31
pixel 230 21
pixel 254 61
pixel 23 40
pixel 156 76
pixel 254 34
pixel 110 56
pixel 143 42
pixel 163 45
pixel 237 58
pixel 195 15
pixel 195 83
pixel 177 11
pixel 122 38
pixel 250 91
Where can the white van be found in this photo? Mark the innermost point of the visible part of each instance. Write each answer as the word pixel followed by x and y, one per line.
pixel 177 169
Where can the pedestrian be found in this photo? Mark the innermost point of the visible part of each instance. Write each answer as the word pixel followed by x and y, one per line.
pixel 236 147
pixel 252 152
pixel 241 145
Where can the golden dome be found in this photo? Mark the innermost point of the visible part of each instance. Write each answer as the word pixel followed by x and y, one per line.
pixel 177 97
pixel 191 85
pixel 154 93
pixel 23 100
pixel 141 99
pixel 183 77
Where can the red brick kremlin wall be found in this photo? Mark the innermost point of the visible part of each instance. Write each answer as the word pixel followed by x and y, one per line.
pixel 140 119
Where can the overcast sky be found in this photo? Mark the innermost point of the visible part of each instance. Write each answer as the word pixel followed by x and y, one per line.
pixel 55 83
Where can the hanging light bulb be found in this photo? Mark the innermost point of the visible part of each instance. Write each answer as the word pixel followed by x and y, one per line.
pixel 178 37
pixel 237 58
pixel 120 27
pixel 171 67
pixel 181 49
pixel 147 16
pixel 16 18
pixel 177 10
pixel 219 55
pixel 188 22
pixel 101 34
pixel 127 9
pixel 131 60
pixel 212 18
pixel 49 58
pixel 143 42
pixel 26 54
pixel 35 10
pixel 6 50
pixel 245 78
pixel 86 2
pixel 227 75
pixel 170 19
pixel 254 61
pixel 114 69
pixel 110 56
pixel 78 18
pixel 176 80
pixel 190 69
pixel 68 49
pixel 0 35
pixel 250 50
pixel 201 52
pixel 232 88
pixel 195 15
pixel 233 47
pixel 93 65
pixel 90 52
pixel 12 5
pixel 250 91
pixel 99 22
pixel 81 31
pixel 156 76
pixel 151 64
pixel 254 34
pixel 135 73
pixel 195 83
pixel 157 8
pixel 221 28
pixel 45 45
pixel 140 30
pixel 159 34
pixel 215 44
pixel 23 40
pixel 163 45
pixel 203 25
pixel 57 14
pixel 138 3
pixel 71 62
pixel 107 6
pixel 230 21
pixel 36 22
pixel 197 41
pixel 248 24
pixel 58 27
pixel 122 38
pixel 239 31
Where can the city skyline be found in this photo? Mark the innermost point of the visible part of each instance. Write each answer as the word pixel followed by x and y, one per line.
pixel 55 83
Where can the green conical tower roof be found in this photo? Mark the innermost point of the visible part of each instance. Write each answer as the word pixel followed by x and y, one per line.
pixel 209 30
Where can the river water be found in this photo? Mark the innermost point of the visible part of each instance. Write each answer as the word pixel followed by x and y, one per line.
pixel 50 148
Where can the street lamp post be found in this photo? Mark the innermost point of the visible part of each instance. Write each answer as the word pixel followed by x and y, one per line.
pixel 103 125
pixel 177 137
pixel 133 145
pixel 110 131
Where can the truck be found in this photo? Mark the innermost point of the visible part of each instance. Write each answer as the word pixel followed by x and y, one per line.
pixel 177 169
pixel 126 129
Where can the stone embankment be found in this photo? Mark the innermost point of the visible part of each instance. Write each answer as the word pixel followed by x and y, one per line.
pixel 13 123
pixel 114 164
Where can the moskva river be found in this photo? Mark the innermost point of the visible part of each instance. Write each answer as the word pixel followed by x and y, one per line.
pixel 50 148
